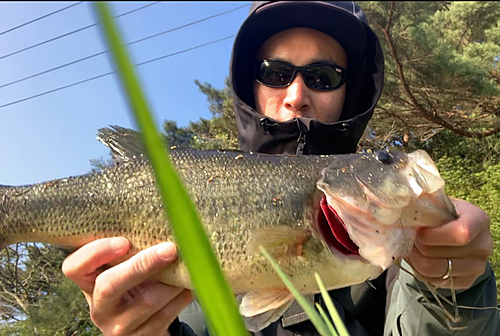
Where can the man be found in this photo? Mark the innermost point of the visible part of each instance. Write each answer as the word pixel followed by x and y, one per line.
pixel 306 78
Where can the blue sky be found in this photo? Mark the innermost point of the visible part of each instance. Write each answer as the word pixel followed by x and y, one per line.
pixel 54 135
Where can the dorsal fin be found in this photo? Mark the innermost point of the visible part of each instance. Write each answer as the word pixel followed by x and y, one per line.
pixel 125 143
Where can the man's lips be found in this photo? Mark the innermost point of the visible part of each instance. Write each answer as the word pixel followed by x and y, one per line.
pixel 333 230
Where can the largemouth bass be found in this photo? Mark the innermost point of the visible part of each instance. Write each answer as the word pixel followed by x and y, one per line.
pixel 245 200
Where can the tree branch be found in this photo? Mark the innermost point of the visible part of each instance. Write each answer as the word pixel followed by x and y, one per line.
pixel 429 115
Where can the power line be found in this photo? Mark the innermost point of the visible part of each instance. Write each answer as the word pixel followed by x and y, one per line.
pixel 53 69
pixel 190 23
pixel 185 50
pixel 72 32
pixel 111 72
pixel 130 43
pixel 39 18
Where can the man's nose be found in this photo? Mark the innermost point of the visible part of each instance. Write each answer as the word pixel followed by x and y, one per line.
pixel 297 95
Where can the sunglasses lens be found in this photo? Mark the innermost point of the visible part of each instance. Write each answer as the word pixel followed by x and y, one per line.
pixel 323 77
pixel 275 74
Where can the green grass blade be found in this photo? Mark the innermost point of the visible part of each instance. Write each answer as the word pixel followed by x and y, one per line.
pixel 328 323
pixel 315 318
pixel 337 321
pixel 212 290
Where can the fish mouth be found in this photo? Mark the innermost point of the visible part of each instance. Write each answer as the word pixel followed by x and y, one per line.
pixel 333 230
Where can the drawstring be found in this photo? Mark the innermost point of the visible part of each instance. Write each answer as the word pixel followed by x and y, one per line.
pixel 302 138
pixel 268 125
pixel 301 143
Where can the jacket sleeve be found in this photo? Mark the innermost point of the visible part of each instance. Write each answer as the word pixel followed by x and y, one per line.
pixel 410 314
pixel 190 322
pixel 178 328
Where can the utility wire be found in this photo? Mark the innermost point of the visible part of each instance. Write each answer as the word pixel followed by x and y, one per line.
pixel 190 23
pixel 73 32
pixel 111 72
pixel 185 50
pixel 39 18
pixel 130 43
pixel 52 69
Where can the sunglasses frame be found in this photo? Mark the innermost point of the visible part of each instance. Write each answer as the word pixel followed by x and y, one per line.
pixel 301 69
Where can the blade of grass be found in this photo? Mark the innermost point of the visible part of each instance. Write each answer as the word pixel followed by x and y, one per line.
pixel 315 318
pixel 337 320
pixel 212 290
pixel 328 323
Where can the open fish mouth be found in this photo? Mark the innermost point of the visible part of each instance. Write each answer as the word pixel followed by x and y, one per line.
pixel 380 209
pixel 333 230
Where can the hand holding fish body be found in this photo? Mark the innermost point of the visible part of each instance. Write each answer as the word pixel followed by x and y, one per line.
pixel 245 201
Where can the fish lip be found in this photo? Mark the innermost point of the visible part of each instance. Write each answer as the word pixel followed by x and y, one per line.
pixel 321 227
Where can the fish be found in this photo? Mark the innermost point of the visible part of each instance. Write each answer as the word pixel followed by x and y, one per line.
pixel 245 200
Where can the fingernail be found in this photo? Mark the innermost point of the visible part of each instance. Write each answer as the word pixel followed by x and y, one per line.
pixel 119 244
pixel 167 251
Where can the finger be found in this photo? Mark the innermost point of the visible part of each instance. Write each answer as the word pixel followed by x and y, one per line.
pixel 159 322
pixel 481 247
pixel 436 268
pixel 147 303
pixel 471 223
pixel 112 284
pixel 82 266
pixel 137 289
pixel 455 282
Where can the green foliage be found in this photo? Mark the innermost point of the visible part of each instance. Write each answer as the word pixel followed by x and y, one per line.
pixel 63 312
pixel 218 132
pixel 441 68
pixel 36 298
pixel 479 185
pixel 176 136
pixel 480 151
pixel 97 165
pixel 471 169
pixel 463 40
pixel 27 272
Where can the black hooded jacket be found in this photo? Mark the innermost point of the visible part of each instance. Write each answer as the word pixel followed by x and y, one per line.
pixel 345 22
pixel 362 307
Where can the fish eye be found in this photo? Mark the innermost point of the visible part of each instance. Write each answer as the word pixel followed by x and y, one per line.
pixel 385 157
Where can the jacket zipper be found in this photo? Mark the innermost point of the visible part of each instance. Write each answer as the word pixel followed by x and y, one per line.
pixel 301 144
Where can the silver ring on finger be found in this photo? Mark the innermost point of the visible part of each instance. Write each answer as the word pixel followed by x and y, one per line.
pixel 448 271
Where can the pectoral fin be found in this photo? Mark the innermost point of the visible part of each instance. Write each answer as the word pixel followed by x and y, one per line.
pixel 280 241
pixel 261 308
pixel 257 302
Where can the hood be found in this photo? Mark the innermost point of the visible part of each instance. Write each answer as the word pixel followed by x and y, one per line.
pixel 345 22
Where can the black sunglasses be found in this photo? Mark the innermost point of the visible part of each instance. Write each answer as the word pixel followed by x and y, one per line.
pixel 317 76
